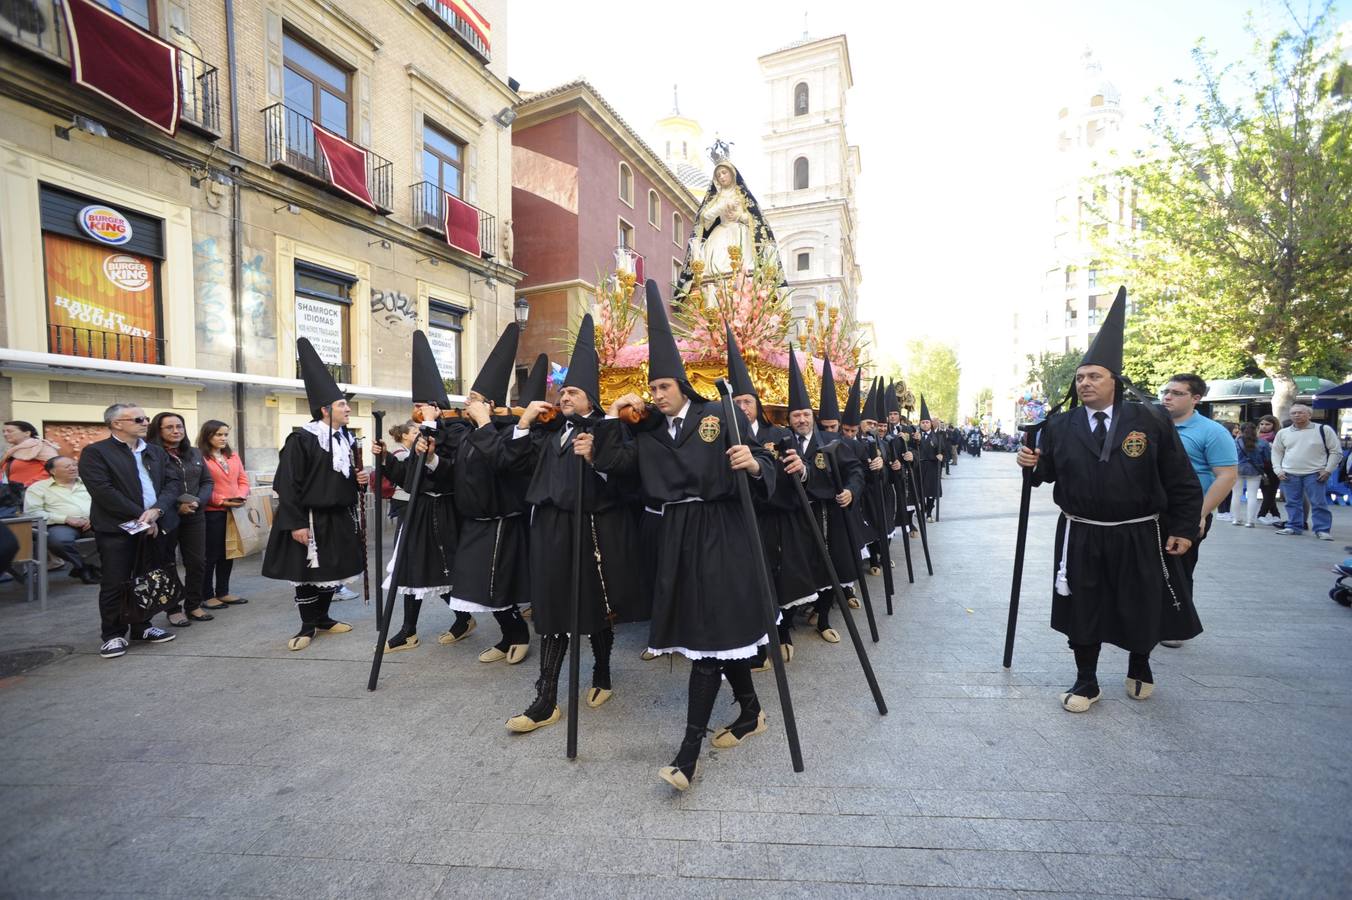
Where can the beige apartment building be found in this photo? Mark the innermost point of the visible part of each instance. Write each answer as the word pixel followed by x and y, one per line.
pixel 323 151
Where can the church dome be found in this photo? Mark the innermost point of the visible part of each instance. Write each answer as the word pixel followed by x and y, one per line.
pixel 1095 89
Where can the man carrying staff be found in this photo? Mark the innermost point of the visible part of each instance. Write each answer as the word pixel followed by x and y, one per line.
pixel 315 542
pixel 930 449
pixel 879 497
pixel 490 573
pixel 1130 503
pixel 431 529
pixel 707 603
pixel 608 552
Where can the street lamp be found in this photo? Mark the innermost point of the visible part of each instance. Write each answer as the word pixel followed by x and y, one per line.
pixel 521 309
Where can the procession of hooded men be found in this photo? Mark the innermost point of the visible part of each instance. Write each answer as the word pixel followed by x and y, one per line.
pixel 733 540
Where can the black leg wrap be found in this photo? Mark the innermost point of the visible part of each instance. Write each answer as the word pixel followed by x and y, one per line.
pixel 704 685
pixel 514 628
pixel 823 606
pixel 553 649
pixel 738 672
pixel 412 606
pixel 601 644
pixel 321 605
pixel 1138 667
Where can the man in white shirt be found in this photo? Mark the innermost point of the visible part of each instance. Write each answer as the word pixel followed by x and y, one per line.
pixel 1304 455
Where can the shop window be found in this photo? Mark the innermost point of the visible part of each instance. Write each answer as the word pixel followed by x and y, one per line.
pixel 316 86
pixel 443 161
pixel 445 328
pixel 102 273
pixel 324 315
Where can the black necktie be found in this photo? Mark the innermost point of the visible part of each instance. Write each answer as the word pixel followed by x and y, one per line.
pixel 1100 428
pixel 803 442
pixel 676 427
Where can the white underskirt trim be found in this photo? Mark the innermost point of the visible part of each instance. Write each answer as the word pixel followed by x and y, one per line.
pixel 421 593
pixel 799 602
pixel 324 584
pixel 735 653
pixel 460 605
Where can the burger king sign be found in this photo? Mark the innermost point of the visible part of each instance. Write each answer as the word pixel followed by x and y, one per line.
pixel 105 224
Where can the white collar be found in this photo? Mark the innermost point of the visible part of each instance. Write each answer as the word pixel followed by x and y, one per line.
pixel 685 410
pixel 1107 413
pixel 340 442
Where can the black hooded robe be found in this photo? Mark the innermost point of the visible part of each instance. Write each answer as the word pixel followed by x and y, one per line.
pixel 310 494
pixel 1124 589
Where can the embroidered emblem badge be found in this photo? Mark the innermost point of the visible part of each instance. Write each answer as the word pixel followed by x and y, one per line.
pixel 709 429
pixel 820 461
pixel 1134 444
pixel 771 449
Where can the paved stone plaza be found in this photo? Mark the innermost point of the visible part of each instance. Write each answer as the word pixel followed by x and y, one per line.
pixel 223 765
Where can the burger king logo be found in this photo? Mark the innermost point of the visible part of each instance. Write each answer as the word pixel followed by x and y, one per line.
pixel 105 225
pixel 127 272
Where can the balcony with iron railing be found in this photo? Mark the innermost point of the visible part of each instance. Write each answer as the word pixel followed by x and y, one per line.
pixel 454 24
pixel 39 26
pixel 290 144
pixel 95 343
pixel 428 201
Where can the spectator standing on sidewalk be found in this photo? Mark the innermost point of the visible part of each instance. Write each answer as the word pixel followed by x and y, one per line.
pixel 128 480
pixel 169 431
pixel 229 489
pixel 1223 512
pixel 1268 513
pixel 1255 457
pixel 64 502
pixel 1304 455
pixel 1211 450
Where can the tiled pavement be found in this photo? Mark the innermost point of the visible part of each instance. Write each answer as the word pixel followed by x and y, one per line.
pixel 221 764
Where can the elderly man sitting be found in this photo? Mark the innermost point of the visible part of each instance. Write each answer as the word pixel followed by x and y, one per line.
pixel 63 500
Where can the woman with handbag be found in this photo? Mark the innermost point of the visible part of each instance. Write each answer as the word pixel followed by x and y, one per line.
pixel 229 492
pixel 24 462
pixel 170 431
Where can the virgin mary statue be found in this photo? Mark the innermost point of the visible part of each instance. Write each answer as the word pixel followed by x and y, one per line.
pixel 728 217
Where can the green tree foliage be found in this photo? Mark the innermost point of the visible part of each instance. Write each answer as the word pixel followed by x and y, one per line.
pixel 1244 245
pixel 985 403
pixel 1052 374
pixel 933 372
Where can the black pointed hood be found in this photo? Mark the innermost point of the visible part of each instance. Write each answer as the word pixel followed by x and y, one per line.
pixel 495 378
pixel 737 370
pixel 320 388
pixel 877 413
pixel 664 358
pixel 584 369
pixel 890 399
pixel 428 386
pixel 829 408
pixel 851 416
pixel 924 409
pixel 1106 350
pixel 537 382
pixel 799 398
pixel 866 411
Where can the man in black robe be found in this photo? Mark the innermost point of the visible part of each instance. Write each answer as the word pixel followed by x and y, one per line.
pixel 930 449
pixel 490 571
pixel 1130 503
pixel 707 603
pixel 429 526
pixel 315 543
pixel 879 506
pixel 608 580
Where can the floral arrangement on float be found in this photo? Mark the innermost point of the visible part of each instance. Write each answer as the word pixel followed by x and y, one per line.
pixel 752 302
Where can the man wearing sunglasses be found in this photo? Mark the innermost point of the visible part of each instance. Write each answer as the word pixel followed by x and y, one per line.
pixel 129 480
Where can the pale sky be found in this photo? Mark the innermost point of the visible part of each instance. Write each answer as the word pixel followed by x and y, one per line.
pixel 954 109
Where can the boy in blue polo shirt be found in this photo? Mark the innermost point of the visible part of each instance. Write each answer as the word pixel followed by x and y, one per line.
pixel 1211 450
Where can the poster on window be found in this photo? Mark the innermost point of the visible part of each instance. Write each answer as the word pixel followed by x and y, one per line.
pixel 100 301
pixel 445 343
pixel 322 323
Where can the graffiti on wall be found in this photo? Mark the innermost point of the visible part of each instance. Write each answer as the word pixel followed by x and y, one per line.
pixel 214 324
pixel 393 309
pixel 257 297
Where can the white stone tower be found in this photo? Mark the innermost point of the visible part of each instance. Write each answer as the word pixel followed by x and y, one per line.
pixel 810 198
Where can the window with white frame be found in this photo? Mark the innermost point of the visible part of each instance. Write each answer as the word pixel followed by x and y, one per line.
pixel 626 184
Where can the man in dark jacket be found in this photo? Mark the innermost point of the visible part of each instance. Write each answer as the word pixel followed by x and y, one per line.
pixel 129 480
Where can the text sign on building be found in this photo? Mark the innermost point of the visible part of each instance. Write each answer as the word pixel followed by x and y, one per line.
pixel 100 304
pixel 105 224
pixel 443 342
pixel 322 323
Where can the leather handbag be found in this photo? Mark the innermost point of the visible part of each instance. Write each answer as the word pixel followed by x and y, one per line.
pixel 154 586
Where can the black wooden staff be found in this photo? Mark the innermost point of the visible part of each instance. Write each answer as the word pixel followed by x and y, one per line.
pixel 885 527
pixel 902 494
pixel 837 590
pixel 1025 500
pixel 853 537
pixel 734 437
pixel 920 517
pixel 399 575
pixel 575 608
pixel 379 416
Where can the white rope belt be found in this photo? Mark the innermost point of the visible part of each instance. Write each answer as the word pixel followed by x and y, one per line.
pixel 1062 584
pixel 1084 521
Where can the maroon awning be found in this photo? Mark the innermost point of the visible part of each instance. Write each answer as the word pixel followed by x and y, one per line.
pixel 461 224
pixel 119 61
pixel 346 164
